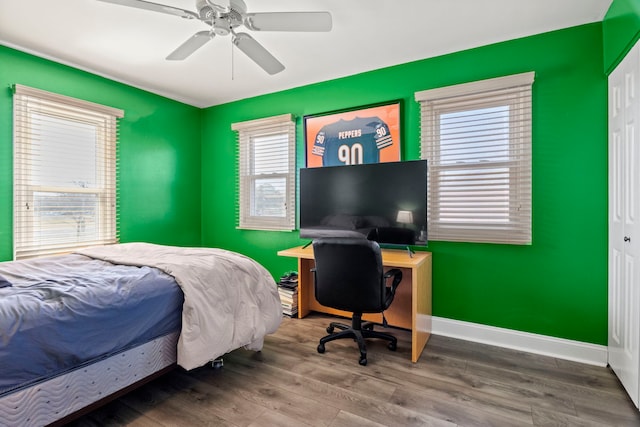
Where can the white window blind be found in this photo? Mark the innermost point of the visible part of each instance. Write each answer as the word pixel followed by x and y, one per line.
pixel 477 139
pixel 64 173
pixel 266 172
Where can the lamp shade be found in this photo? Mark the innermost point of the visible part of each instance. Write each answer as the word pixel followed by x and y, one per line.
pixel 405 217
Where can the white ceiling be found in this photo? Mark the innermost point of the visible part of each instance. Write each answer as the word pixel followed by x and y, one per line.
pixel 130 45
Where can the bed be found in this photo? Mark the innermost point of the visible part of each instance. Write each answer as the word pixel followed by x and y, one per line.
pixel 76 329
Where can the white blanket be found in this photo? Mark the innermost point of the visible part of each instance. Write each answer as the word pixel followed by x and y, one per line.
pixel 230 300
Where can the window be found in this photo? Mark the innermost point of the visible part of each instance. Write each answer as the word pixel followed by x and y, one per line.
pixel 477 138
pixel 64 173
pixel 266 173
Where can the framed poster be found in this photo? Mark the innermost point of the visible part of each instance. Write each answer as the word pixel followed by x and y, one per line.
pixel 363 135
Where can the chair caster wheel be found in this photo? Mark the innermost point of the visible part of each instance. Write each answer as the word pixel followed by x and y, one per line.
pixel 329 329
pixel 320 348
pixel 392 346
pixel 363 360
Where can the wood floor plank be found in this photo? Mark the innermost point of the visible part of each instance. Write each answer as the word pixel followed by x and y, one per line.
pixel 556 393
pixel 542 417
pixel 614 412
pixel 454 412
pixel 211 396
pixel 356 401
pixel 346 419
pixel 115 414
pixel 167 408
pixel 438 388
pixel 274 418
pixel 271 392
pixel 455 383
pixel 536 365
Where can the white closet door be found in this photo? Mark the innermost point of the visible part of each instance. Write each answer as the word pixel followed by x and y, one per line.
pixel 624 207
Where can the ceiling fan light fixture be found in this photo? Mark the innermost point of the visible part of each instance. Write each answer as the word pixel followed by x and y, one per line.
pixel 217 7
pixel 224 19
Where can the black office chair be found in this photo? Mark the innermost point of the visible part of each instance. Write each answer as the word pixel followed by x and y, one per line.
pixel 349 276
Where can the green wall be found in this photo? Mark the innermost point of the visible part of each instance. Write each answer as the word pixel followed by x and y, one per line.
pixel 159 195
pixel 178 174
pixel 558 285
pixel 621 30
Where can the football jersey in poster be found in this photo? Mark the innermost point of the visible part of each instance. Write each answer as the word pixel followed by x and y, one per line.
pixel 352 142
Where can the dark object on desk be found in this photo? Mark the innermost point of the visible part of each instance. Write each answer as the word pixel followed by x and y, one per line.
pixel 393 235
pixel 290 276
pixel 349 276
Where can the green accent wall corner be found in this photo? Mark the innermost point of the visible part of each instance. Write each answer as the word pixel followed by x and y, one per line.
pixel 620 30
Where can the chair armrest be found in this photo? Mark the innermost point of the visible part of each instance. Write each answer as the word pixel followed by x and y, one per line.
pixel 396 274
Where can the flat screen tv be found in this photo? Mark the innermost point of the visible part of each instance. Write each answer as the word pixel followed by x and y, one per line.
pixel 385 202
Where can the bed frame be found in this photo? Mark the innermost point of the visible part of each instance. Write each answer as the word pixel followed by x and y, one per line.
pixel 60 399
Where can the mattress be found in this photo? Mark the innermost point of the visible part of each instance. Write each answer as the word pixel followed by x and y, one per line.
pixel 63 395
pixel 230 300
pixel 63 311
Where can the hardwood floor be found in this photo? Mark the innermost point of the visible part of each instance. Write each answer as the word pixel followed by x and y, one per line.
pixel 454 383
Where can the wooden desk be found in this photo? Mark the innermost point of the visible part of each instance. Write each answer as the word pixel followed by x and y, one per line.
pixel 411 307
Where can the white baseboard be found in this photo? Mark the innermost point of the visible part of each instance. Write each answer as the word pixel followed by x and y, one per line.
pixel 533 343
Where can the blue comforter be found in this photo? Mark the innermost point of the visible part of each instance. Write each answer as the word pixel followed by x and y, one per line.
pixel 62 311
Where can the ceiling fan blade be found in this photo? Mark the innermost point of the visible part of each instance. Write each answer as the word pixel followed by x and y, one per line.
pixel 256 52
pixel 192 44
pixel 147 5
pixel 289 21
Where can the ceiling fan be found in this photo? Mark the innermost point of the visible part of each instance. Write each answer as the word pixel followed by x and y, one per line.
pixel 224 20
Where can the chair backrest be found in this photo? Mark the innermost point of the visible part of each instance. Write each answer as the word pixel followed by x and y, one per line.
pixel 349 274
